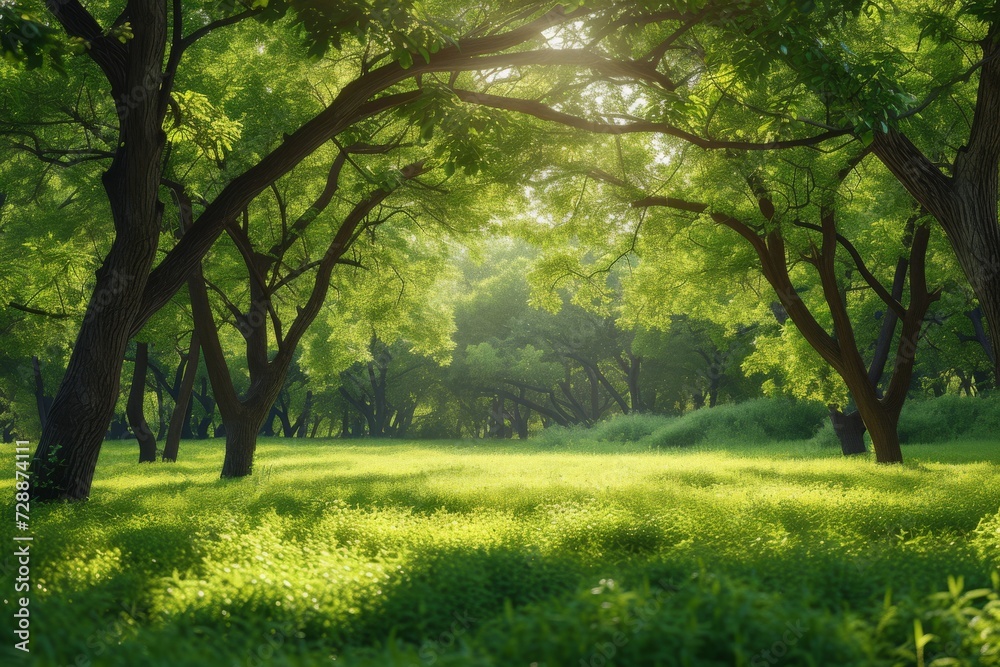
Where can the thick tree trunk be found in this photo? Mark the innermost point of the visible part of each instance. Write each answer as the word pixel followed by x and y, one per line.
pixel 134 410
pixel 66 456
pixel 182 406
pixel 241 442
pixel 882 427
pixel 965 204
pixel 850 430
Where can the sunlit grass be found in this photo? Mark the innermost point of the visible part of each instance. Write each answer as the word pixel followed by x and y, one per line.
pixel 367 551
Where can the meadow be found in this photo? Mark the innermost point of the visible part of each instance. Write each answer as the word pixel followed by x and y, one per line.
pixel 560 551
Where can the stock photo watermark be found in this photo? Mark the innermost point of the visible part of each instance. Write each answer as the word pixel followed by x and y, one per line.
pixel 635 621
pixel 22 550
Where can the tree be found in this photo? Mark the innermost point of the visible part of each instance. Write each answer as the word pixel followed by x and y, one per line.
pixel 919 85
pixel 267 273
pixel 140 53
pixel 839 348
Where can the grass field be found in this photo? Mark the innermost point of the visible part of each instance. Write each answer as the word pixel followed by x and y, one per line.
pixel 520 554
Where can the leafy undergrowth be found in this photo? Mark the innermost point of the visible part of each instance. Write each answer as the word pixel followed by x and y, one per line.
pixel 520 553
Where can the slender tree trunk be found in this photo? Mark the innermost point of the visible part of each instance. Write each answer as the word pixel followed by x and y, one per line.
pixel 286 425
pixel 520 419
pixel 136 400
pixel 303 420
pixel 634 391
pixel 182 407
pixel 714 381
pixel 188 433
pixel 161 426
pixel 496 423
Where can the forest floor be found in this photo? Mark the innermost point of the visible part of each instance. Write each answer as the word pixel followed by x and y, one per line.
pixel 518 554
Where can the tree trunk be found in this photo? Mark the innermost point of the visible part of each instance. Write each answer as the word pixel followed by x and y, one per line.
pixel 208 404
pixel 161 426
pixel 66 456
pixel 187 433
pixel 241 442
pixel 303 420
pixel 634 390
pixel 267 429
pixel 520 418
pixel 850 430
pixel 118 428
pixel 882 427
pixel 496 423
pixel 182 407
pixel 134 410
pixel 286 425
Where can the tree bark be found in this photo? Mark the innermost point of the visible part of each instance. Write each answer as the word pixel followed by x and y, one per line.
pixel 850 430
pixel 964 204
pixel 241 442
pixel 66 456
pixel 134 409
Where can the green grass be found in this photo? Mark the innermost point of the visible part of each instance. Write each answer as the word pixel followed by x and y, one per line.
pixel 548 553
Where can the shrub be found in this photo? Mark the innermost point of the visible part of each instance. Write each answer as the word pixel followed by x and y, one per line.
pixel 760 419
pixel 826 436
pixel 557 436
pixel 629 428
pixel 948 418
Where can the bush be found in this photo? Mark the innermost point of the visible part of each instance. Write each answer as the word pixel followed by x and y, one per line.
pixel 557 436
pixel 757 420
pixel 629 428
pixel 948 418
pixel 826 436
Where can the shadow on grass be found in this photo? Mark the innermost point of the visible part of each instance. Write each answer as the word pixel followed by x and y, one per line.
pixel 112 623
